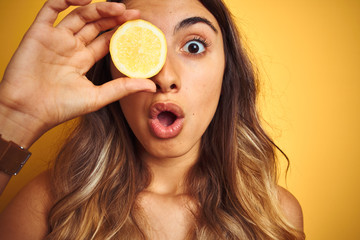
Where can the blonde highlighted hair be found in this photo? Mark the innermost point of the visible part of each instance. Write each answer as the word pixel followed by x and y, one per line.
pixel 98 176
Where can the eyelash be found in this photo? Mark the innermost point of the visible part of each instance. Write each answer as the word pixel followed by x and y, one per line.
pixel 199 40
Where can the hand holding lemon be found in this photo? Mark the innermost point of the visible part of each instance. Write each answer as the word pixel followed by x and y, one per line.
pixel 45 82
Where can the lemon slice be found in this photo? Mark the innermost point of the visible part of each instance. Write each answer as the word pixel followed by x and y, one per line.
pixel 138 49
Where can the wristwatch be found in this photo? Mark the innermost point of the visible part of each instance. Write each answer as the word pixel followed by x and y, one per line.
pixel 12 157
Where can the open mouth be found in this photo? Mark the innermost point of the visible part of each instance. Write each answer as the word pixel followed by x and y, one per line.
pixel 166 118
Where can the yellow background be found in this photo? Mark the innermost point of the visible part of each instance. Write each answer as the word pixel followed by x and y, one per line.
pixel 308 55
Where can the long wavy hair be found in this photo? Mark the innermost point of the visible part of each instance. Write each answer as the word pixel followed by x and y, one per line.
pixel 97 175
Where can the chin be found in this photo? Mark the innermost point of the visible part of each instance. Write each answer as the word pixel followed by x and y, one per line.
pixel 170 148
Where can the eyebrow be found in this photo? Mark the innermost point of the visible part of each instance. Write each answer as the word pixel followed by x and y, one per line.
pixel 193 20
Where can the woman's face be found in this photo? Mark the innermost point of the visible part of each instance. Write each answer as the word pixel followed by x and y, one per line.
pixel 170 122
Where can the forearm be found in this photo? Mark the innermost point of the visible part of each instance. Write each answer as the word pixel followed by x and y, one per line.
pixel 12 130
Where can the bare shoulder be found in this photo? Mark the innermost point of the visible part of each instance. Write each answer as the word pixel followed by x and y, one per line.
pixel 26 216
pixel 291 208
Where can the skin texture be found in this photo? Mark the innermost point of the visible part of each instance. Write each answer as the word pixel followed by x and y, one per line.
pixel 196 82
pixel 191 82
pixel 26 216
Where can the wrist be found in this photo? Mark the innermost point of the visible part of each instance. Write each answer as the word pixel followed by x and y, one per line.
pixel 18 127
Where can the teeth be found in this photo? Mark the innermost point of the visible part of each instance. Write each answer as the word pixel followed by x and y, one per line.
pixel 166 118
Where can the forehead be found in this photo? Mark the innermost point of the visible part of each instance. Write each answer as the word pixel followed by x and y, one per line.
pixel 167 13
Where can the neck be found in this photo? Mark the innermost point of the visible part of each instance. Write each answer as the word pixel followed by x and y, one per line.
pixel 168 174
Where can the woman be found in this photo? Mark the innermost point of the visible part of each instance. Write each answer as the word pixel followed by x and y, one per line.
pixel 179 156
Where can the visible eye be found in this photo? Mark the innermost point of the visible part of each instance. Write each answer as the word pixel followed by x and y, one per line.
pixel 195 46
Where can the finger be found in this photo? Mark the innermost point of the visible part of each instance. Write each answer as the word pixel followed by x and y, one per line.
pixel 116 89
pixel 90 31
pixel 51 9
pixel 79 17
pixel 100 46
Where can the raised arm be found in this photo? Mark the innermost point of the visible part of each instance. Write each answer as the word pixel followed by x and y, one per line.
pixel 45 84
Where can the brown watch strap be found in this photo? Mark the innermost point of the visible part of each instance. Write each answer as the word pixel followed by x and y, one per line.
pixel 12 157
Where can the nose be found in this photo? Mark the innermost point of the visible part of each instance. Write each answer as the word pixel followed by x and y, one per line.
pixel 167 80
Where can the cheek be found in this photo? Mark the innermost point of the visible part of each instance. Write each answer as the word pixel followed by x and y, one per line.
pixel 206 85
pixel 126 109
pixel 208 75
pixel 205 93
pixel 132 107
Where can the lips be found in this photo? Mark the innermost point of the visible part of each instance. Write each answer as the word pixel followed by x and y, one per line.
pixel 166 120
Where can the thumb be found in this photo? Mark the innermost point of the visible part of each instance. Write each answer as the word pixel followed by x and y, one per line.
pixel 118 88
